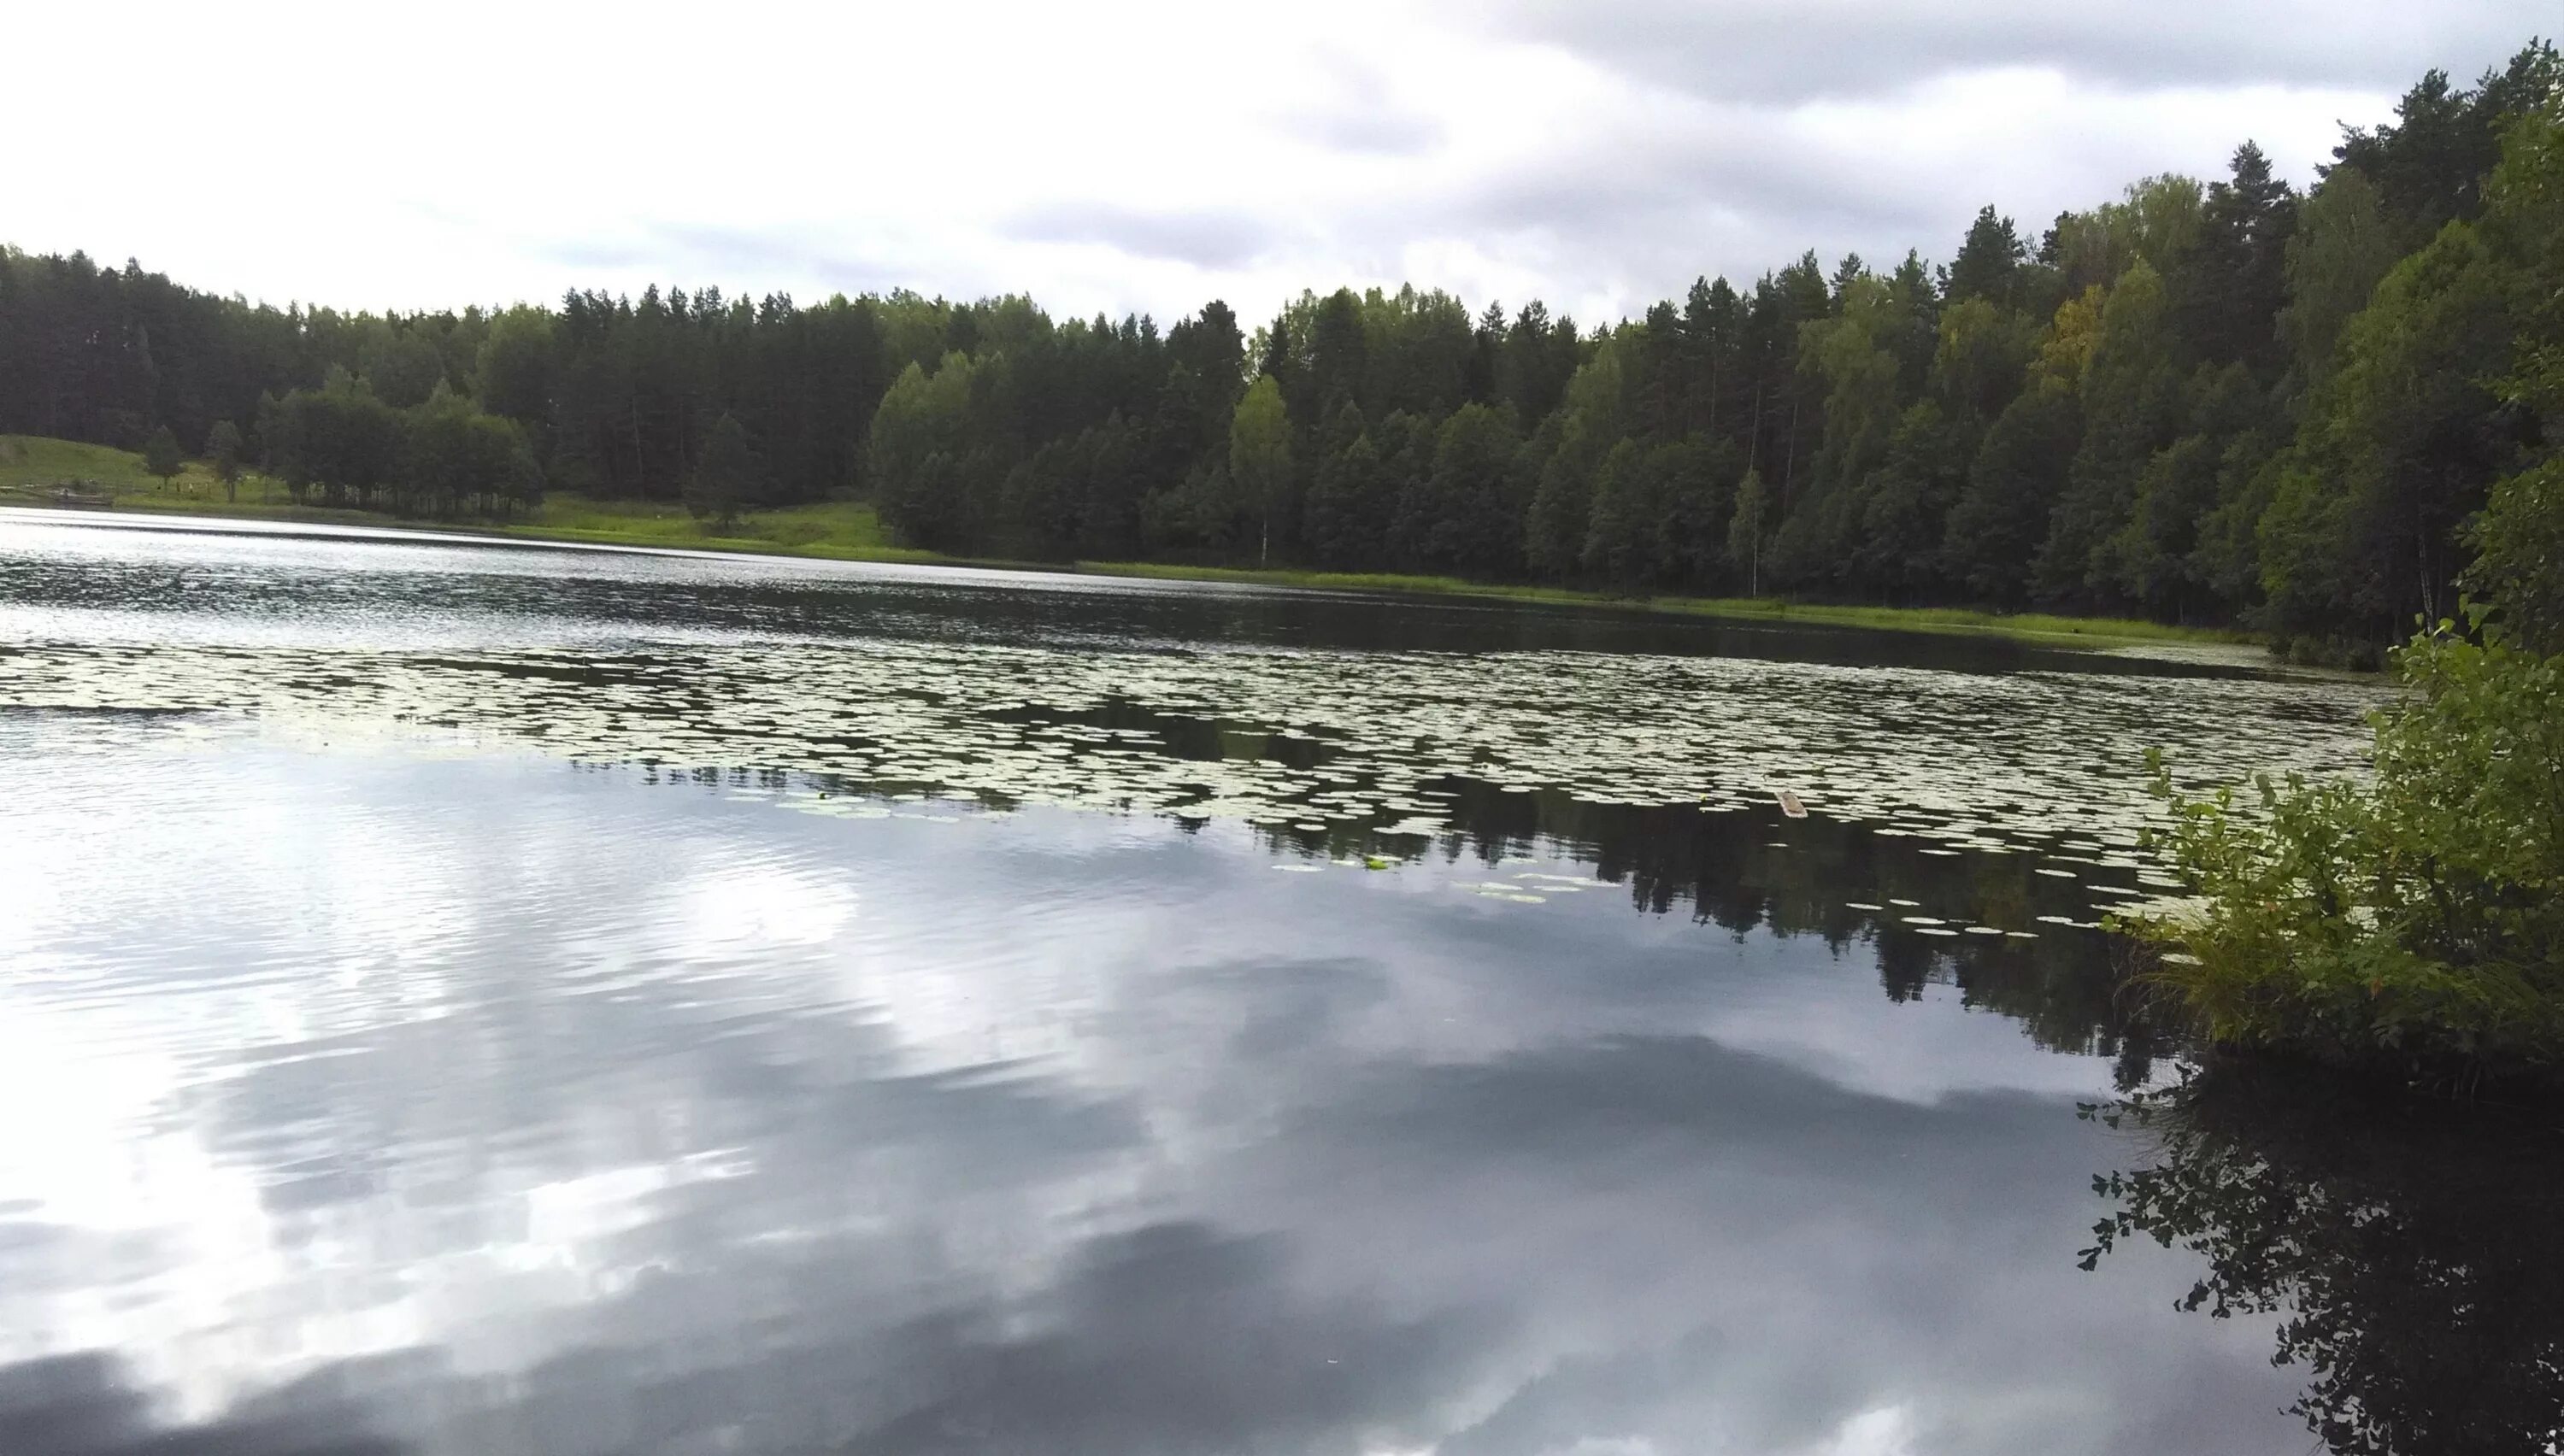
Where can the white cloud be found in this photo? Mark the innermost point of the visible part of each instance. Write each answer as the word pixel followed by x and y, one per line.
pixel 1131 155
pixel 1883 1432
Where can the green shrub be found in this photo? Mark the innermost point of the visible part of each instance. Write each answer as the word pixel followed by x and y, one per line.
pixel 2417 917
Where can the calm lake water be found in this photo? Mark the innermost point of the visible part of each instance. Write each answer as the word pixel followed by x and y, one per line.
pixel 488 1001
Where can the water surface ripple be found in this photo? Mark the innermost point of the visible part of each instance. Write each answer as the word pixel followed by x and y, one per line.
pixel 498 1001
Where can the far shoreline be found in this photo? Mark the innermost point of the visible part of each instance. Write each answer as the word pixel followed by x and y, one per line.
pixel 2037 628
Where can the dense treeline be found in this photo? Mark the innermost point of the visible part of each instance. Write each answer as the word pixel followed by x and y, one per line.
pixel 2409 923
pixel 2211 401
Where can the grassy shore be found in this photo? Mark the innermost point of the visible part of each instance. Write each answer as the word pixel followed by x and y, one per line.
pixel 31 467
pixel 32 462
pixel 1754 609
pixel 848 530
pixel 840 531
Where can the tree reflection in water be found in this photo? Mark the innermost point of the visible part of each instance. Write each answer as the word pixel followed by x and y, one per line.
pixel 2410 1249
pixel 1843 883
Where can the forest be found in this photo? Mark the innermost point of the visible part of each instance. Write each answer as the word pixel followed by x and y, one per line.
pixel 2219 402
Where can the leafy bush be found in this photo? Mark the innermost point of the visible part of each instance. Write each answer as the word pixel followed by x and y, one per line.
pixel 2417 915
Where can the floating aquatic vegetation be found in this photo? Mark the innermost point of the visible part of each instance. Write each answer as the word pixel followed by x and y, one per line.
pixel 1357 752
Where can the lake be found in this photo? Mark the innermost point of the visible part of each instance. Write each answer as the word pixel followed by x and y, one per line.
pixel 486 999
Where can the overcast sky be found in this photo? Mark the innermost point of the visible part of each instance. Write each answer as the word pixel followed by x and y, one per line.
pixel 1127 156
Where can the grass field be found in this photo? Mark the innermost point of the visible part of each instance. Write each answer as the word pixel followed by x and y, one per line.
pixel 31 462
pixel 845 530
pixel 848 530
pixel 30 467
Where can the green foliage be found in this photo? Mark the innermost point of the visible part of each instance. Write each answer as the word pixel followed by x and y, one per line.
pixel 1462 517
pixel 337 439
pixel 1618 544
pixel 2341 249
pixel 344 447
pixel 1202 515
pixel 921 430
pixel 161 456
pixel 1980 358
pixel 1849 353
pixel 2420 916
pixel 2435 394
pixel 1746 531
pixel 2521 560
pixel 2001 513
pixel 1346 517
pixel 2228 293
pixel 1591 422
pixel 515 364
pixel 2430 164
pixel 2154 556
pixel 403 368
pixel 1988 267
pixel 2398 447
pixel 721 483
pixel 2519 539
pixel 2156 222
pixel 223 451
pixel 1694 502
pixel 1259 457
pixel 457 460
pixel 2131 395
pixel 1907 498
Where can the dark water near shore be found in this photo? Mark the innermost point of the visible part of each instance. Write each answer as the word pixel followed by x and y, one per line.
pixel 490 1000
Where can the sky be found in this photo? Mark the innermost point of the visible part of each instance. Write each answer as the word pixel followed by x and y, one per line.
pixel 1118 157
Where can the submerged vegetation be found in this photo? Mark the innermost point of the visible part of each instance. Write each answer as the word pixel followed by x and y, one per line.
pixel 2205 403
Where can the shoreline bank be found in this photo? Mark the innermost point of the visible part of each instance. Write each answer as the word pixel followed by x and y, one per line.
pixel 625 525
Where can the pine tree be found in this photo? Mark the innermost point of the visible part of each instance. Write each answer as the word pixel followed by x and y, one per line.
pixel 718 489
pixel 1988 260
pixel 1747 529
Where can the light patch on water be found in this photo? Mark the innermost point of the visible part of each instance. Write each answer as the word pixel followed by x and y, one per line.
pixel 104 1164
pixel 757 904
